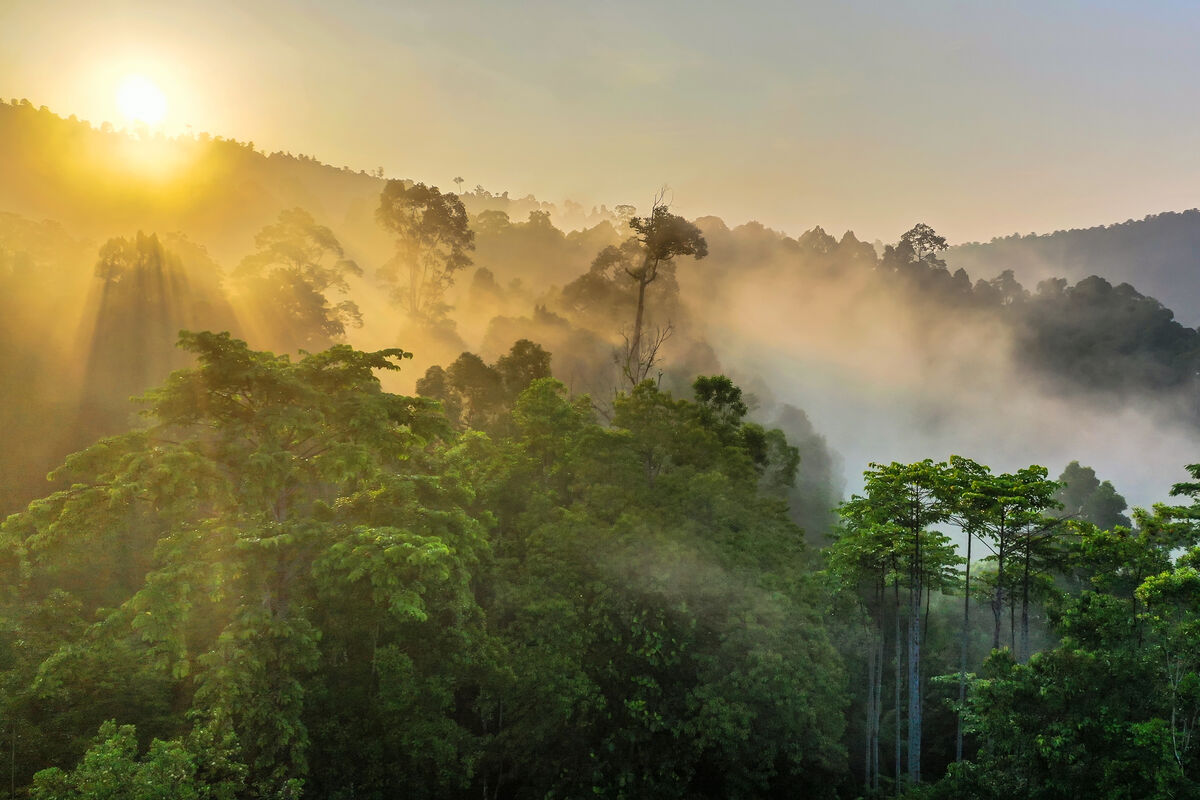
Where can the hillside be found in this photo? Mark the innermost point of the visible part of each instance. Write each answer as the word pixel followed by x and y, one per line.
pixel 101 182
pixel 1158 254
pixel 897 352
pixel 444 496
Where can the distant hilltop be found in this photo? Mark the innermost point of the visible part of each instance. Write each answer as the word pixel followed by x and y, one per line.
pixel 99 182
pixel 1159 254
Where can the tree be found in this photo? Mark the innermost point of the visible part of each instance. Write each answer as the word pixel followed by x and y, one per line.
pixel 1084 497
pixel 432 241
pixel 525 362
pixel 924 244
pixel 1005 512
pixel 283 541
pixel 661 635
pixel 663 237
pixel 144 296
pixel 914 260
pixel 862 561
pixel 296 264
pixel 1112 710
pixel 907 500
pixel 1172 602
pixel 480 396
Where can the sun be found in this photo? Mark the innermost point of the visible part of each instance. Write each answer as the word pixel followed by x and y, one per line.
pixel 140 100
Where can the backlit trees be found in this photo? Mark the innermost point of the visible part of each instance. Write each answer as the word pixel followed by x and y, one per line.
pixel 432 241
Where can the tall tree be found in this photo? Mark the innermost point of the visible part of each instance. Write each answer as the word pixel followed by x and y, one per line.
pixel 1004 511
pixel 432 241
pixel 298 261
pixel 663 237
pixel 910 498
pixel 861 559
pixel 1112 710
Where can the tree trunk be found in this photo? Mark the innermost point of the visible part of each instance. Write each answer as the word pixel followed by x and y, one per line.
pixel 914 682
pixel 962 669
pixel 878 678
pixel 899 678
pixel 869 731
pixel 914 660
pixel 998 596
pixel 1012 626
pixel 1024 652
pixel 635 342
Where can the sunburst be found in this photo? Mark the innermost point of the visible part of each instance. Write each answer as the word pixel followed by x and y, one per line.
pixel 140 100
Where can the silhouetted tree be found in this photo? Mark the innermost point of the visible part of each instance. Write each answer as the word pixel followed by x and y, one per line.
pixel 663 237
pixel 296 263
pixel 432 240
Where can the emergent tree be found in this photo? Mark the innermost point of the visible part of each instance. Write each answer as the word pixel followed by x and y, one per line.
pixel 663 237
pixel 432 240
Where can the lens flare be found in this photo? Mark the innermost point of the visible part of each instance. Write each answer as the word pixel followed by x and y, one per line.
pixel 140 100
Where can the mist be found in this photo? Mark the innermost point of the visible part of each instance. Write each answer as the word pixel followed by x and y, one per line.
pixel 887 359
pixel 891 374
pixel 330 482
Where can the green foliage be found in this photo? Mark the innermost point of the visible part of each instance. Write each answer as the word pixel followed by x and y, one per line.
pixel 110 770
pixel 480 396
pixel 1084 497
pixel 300 585
pixel 264 490
pixel 662 636
pixel 1111 711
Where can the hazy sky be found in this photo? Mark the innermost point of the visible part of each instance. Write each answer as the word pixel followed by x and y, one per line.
pixel 981 119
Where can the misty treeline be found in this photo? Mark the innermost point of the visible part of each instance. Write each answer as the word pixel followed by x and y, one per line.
pixel 1146 252
pixel 544 558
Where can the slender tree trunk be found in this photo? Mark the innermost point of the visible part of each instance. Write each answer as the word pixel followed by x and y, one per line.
pixel 1024 653
pixel 1012 626
pixel 914 682
pixel 869 731
pixel 899 678
pixel 962 667
pixel 878 678
pixel 998 595
pixel 914 659
pixel 925 625
pixel 635 343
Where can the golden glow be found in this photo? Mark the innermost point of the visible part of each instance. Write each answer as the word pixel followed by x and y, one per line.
pixel 140 100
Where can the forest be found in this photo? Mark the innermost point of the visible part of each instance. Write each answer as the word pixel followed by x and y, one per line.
pixel 318 484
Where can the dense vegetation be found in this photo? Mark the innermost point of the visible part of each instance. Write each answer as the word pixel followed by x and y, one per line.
pixel 1147 252
pixel 556 552
pixel 292 583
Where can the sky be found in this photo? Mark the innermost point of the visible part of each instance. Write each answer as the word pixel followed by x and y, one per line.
pixel 981 119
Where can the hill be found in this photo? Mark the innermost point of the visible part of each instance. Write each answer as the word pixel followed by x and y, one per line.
pixel 890 356
pixel 1158 254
